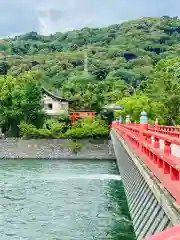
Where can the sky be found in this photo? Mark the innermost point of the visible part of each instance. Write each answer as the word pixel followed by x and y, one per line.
pixel 50 16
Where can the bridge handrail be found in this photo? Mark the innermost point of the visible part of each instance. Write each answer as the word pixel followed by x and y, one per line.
pixel 168 130
pixel 171 131
pixel 164 165
pixel 151 133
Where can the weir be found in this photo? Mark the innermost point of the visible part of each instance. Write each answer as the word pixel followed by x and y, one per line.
pixel 148 158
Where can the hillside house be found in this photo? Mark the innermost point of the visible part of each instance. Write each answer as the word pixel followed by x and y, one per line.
pixel 54 105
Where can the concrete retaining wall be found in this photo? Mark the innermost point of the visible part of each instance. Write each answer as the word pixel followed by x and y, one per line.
pixel 55 149
pixel 152 209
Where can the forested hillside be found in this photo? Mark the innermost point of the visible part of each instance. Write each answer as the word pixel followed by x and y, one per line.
pixel 136 64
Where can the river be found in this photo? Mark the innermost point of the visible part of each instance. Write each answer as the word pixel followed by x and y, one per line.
pixel 62 200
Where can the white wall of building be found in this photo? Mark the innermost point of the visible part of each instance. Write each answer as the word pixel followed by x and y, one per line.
pixel 53 107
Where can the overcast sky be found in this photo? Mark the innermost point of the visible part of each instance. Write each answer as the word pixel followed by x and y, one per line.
pixel 49 16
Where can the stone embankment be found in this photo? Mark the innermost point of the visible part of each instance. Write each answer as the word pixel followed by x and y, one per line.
pixel 55 149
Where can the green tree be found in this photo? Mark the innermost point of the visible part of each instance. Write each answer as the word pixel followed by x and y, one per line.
pixel 20 100
pixel 134 105
pixel 164 86
pixel 138 56
pixel 31 100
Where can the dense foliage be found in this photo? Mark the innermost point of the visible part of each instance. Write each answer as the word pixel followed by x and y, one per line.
pixel 135 64
pixel 87 128
pixel 20 100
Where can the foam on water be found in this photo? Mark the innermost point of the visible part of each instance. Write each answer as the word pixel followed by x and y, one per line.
pixel 85 176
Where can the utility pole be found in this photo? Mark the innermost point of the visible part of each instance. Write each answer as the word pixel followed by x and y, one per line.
pixel 85 62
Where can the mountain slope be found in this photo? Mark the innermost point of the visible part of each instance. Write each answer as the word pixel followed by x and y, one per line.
pixel 118 57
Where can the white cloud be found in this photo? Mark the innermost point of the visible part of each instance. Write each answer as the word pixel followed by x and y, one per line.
pixel 49 16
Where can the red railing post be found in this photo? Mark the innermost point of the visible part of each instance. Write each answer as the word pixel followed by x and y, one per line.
pixel 167 147
pixel 167 152
pixel 156 143
pixel 156 125
pixel 143 126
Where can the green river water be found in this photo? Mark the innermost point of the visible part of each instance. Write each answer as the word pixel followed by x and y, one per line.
pixel 62 200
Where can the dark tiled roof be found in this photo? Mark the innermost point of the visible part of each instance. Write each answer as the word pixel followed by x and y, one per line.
pixel 55 97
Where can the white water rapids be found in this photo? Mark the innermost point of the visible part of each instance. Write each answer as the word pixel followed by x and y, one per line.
pixel 66 177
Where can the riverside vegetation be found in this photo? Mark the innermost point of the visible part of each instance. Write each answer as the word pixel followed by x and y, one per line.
pixel 135 64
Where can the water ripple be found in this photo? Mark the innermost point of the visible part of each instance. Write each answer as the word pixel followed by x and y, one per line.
pixel 62 200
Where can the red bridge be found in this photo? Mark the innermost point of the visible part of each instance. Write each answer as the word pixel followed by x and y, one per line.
pixel 154 151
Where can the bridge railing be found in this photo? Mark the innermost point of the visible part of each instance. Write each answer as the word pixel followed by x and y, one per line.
pixel 173 131
pixel 159 151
